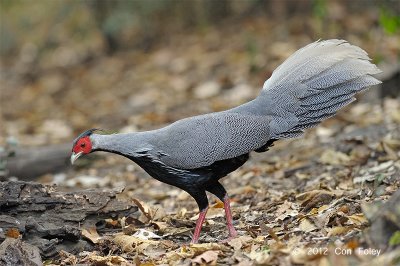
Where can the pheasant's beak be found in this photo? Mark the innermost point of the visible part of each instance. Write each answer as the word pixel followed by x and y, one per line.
pixel 75 156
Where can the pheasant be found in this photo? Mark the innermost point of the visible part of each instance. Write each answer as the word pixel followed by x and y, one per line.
pixel 195 152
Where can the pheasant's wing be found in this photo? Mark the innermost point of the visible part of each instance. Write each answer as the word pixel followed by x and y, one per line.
pixel 202 140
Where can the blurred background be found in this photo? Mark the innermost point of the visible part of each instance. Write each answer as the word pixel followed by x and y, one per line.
pixel 67 66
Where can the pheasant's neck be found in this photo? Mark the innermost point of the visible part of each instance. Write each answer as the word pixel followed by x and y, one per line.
pixel 124 144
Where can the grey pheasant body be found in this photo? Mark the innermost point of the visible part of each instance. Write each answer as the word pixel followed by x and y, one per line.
pixel 193 153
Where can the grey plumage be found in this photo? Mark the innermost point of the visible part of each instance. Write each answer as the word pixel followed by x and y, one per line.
pixel 310 86
pixel 314 83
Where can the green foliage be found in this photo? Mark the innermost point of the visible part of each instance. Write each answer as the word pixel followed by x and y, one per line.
pixel 389 21
pixel 265 248
pixel 319 12
pixel 395 239
pixel 319 8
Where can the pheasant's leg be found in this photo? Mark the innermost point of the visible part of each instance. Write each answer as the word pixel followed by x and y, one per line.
pixel 218 190
pixel 199 224
pixel 202 201
pixel 228 215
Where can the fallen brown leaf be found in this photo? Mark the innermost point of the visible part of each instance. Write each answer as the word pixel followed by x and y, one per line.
pixel 238 242
pixel 91 234
pixel 306 225
pixel 338 230
pixel 13 233
pixel 209 257
pixel 144 208
pixel 315 198
pixel 358 219
pixel 131 243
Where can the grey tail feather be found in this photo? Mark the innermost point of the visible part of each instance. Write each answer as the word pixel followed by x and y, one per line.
pixel 314 83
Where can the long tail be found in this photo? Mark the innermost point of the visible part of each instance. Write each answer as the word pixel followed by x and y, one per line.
pixel 314 83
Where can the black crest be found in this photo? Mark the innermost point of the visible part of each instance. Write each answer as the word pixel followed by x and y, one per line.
pixel 86 133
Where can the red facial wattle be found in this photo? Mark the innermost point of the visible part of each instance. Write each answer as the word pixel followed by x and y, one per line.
pixel 83 145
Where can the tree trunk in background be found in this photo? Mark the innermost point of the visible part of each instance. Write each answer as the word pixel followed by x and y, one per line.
pixel 30 163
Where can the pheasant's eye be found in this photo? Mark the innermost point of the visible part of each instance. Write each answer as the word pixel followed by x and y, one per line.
pixel 83 145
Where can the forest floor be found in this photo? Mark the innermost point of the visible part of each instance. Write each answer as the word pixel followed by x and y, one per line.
pixel 307 200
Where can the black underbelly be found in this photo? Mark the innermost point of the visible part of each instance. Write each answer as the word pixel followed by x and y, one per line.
pixel 187 178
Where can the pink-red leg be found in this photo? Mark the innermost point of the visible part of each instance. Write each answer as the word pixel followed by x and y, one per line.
pixel 228 214
pixel 199 224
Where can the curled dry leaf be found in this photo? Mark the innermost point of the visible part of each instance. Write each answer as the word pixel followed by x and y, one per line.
pixel 144 208
pixel 132 243
pixel 160 226
pixel 91 234
pixel 149 213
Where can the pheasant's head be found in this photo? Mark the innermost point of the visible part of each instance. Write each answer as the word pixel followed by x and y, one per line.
pixel 82 145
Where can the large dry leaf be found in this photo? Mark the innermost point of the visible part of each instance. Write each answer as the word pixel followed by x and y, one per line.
pixel 358 219
pixel 108 260
pixel 131 243
pixel 91 234
pixel 154 252
pixel 306 225
pixel 238 242
pixel 209 257
pixel 160 226
pixel 338 230
pixel 144 208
